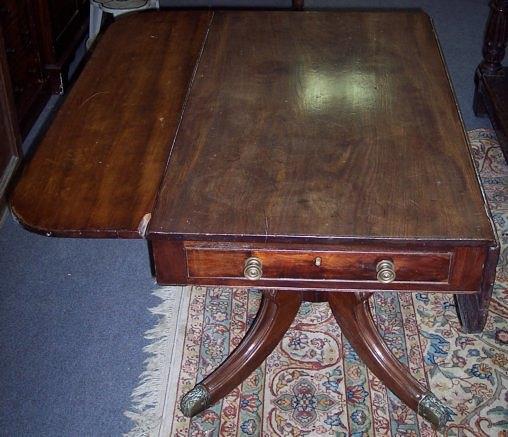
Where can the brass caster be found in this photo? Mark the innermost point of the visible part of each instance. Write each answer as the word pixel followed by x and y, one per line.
pixel 431 409
pixel 195 401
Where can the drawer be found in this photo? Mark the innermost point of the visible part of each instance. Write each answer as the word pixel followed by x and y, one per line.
pixel 307 266
pixel 326 265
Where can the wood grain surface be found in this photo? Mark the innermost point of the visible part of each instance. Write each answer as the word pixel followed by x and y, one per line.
pixel 343 267
pixel 352 312
pixel 321 126
pixel 97 170
pixel 334 265
pixel 275 315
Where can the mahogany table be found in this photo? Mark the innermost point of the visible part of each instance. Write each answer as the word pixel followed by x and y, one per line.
pixel 317 156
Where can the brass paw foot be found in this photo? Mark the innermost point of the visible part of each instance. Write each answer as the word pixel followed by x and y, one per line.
pixel 431 409
pixel 195 401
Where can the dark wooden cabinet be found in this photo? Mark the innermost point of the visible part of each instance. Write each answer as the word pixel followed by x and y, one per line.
pixel 491 78
pixel 24 61
pixel 63 24
pixel 41 37
pixel 9 136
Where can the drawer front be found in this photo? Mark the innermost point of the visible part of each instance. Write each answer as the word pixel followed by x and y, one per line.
pixel 288 265
pixel 452 269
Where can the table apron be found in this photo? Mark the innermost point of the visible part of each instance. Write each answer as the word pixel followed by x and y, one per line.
pixel 338 267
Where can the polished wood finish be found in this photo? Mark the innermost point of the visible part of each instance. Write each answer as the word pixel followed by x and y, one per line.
pixel 97 170
pixel 323 152
pixel 289 138
pixel 276 312
pixel 9 134
pixel 292 148
pixel 280 144
pixel 352 312
pixel 345 267
pixel 289 135
pixel 334 265
pixel 473 309
pixel 491 78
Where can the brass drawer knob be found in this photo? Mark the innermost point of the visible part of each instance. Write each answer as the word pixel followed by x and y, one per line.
pixel 253 268
pixel 385 271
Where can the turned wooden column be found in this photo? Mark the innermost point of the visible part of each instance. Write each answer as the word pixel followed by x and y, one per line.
pixel 496 35
pixel 494 47
pixel 298 5
pixel 491 79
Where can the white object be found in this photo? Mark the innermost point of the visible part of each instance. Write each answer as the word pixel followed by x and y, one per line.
pixel 114 7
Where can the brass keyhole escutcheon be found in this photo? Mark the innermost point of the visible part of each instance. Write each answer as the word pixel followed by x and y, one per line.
pixel 253 268
pixel 317 261
pixel 385 271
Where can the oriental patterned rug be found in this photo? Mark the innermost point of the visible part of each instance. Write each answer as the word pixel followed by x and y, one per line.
pixel 313 384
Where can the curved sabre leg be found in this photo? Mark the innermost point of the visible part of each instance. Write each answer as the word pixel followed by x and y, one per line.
pixel 352 312
pixel 277 311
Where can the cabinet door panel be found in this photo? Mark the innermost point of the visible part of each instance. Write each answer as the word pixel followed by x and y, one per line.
pixel 61 11
pixel 66 17
pixel 9 137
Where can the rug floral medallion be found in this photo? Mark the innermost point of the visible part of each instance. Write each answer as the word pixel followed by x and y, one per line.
pixel 314 384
